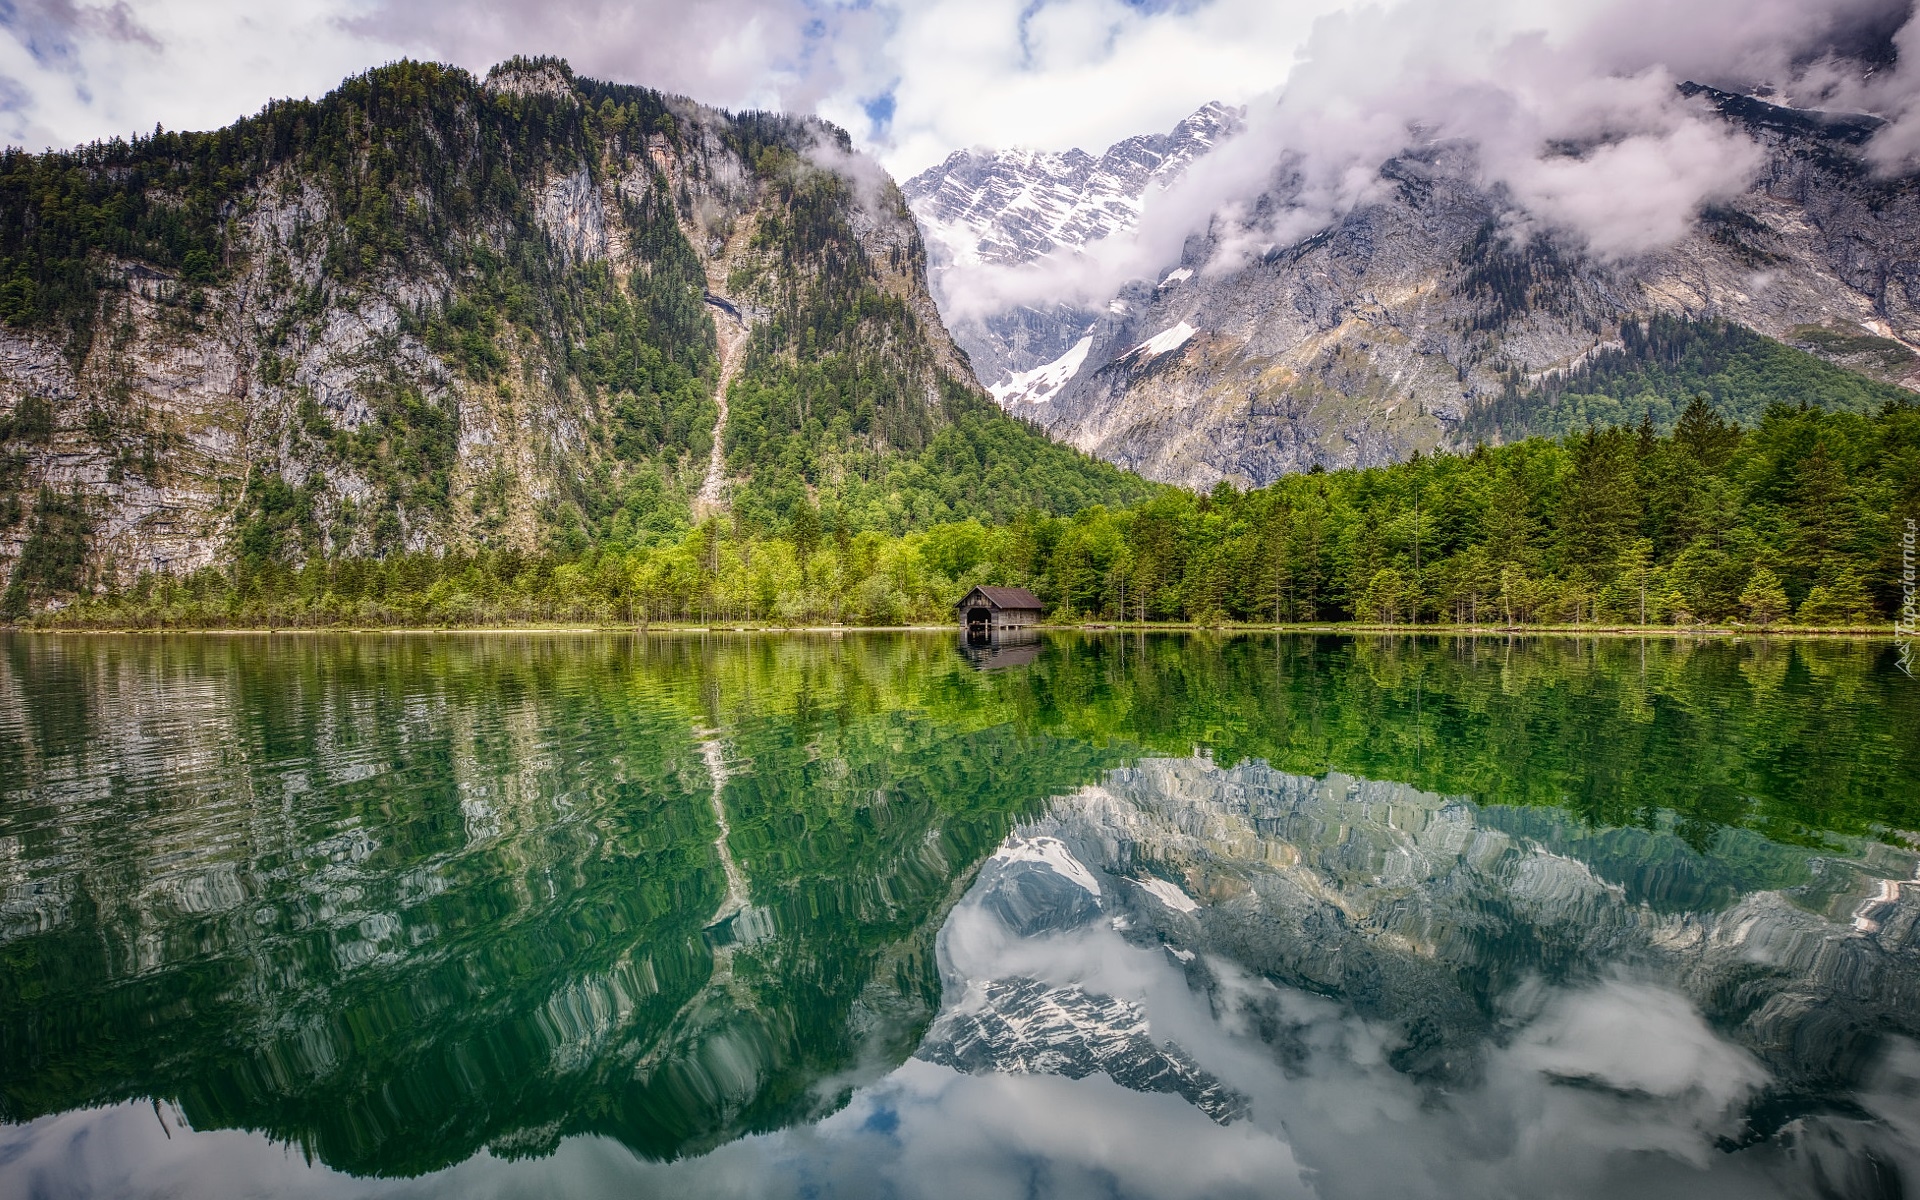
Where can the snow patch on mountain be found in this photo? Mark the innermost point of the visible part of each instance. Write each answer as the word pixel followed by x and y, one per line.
pixel 1168 894
pixel 1023 1027
pixel 1164 342
pixel 1014 206
pixel 1042 383
pixel 1049 852
pixel 982 212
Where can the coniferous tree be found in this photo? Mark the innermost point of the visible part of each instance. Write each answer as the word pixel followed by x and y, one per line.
pixel 1824 517
pixel 1510 527
pixel 1843 600
pixel 1764 599
pixel 1601 506
pixel 804 528
pixel 1709 439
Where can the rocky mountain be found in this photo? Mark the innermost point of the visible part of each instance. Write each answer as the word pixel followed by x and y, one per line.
pixel 434 313
pixel 1367 932
pixel 1416 321
pixel 1412 904
pixel 1014 207
pixel 1024 1027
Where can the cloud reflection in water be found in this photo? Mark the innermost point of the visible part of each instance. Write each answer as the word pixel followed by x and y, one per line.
pixel 1606 1081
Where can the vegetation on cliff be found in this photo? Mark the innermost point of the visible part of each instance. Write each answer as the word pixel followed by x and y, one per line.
pixel 469 316
pixel 1660 365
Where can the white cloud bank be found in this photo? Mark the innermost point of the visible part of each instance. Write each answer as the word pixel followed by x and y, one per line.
pixel 73 71
pixel 1063 73
pixel 1573 108
pixel 1572 105
pixel 951 72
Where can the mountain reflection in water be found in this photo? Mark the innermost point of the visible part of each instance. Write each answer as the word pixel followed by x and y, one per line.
pixel 1140 916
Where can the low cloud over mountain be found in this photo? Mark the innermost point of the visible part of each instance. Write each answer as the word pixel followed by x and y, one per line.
pixel 1575 113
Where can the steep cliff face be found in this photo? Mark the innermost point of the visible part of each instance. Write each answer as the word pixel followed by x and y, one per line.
pixel 1391 330
pixel 335 365
pixel 431 313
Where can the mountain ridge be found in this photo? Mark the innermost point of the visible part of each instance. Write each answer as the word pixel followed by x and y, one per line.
pixel 1398 326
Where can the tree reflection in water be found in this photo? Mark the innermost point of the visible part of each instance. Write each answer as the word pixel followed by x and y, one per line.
pixel 1426 917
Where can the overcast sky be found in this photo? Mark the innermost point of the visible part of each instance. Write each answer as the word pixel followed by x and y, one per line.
pixel 912 79
pixel 1571 104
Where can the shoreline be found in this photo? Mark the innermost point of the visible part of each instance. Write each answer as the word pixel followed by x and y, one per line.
pixel 1856 632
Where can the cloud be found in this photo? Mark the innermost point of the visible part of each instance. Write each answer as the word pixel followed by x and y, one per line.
pixel 1572 109
pixel 911 79
pixel 1060 73
pixel 73 72
pixel 873 189
pixel 81 71
pixel 1895 93
pixel 736 53
pixel 48 28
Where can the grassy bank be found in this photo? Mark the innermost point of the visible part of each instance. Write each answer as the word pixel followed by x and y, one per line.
pixel 675 628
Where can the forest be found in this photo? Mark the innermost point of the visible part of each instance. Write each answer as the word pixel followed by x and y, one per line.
pixel 1796 520
pixel 420 179
pixel 1659 365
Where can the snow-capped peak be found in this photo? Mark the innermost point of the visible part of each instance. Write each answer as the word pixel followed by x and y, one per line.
pixel 1170 895
pixel 1014 206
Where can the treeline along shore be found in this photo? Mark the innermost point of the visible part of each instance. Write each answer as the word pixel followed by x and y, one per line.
pixel 1795 521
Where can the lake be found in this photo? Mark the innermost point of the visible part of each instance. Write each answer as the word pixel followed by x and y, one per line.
pixel 888 915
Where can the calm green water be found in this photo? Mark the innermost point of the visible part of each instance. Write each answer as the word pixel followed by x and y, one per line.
pixel 1165 916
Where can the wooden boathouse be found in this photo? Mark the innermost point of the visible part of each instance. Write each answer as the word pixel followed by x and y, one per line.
pixel 988 608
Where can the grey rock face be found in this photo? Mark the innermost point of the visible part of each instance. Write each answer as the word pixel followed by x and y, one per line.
pixel 164 421
pixel 1030 898
pixel 1023 1027
pixel 1038 887
pixel 1015 206
pixel 1377 336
